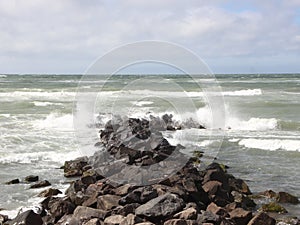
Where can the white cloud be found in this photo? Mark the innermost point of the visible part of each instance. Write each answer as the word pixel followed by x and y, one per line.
pixel 61 34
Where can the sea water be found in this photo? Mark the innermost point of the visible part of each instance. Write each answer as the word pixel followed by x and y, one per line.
pixel 261 142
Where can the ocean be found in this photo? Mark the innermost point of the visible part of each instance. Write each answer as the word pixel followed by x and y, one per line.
pixel 260 142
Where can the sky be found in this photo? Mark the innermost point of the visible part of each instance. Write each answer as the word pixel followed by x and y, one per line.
pixel 67 36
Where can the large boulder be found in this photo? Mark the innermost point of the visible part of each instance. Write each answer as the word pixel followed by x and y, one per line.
pixel 262 219
pixel 108 202
pixel 283 197
pixel 75 167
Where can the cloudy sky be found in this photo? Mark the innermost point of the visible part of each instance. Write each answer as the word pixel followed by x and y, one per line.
pixel 66 36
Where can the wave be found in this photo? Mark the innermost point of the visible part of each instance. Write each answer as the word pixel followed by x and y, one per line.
pixel 37 103
pixel 3 76
pixel 247 92
pixel 141 103
pixel 37 94
pixel 258 124
pixel 271 144
pixel 55 121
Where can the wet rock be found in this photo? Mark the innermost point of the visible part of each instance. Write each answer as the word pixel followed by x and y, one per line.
pixel 49 192
pixel 162 206
pixel 187 214
pixel 28 218
pixel 31 178
pixel 273 207
pixel 108 202
pixel 86 213
pixel 262 219
pixel 114 220
pixel 268 194
pixel 75 167
pixel 283 197
pixel 243 199
pixel 240 216
pixel 14 181
pixel 41 184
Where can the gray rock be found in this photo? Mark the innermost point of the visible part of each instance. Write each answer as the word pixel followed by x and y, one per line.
pixel 108 202
pixel 162 206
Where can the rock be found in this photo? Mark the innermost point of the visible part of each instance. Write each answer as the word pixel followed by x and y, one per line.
pixel 284 197
pixel 14 181
pixel 145 223
pixel 127 209
pixel 216 175
pixel 75 167
pixel 268 194
pixel 123 190
pixel 140 195
pixel 66 220
pixel 41 184
pixel 187 214
pixel 86 213
pixel 49 192
pixel 28 218
pixel 60 207
pixel 180 222
pixel 3 218
pixel 208 217
pixel 240 216
pixel 107 202
pixel 94 221
pixel 212 207
pixel 243 199
pixel 162 206
pixel 212 187
pixel 262 219
pixel 239 185
pixel 273 207
pixel 131 219
pixel 31 178
pixel 114 220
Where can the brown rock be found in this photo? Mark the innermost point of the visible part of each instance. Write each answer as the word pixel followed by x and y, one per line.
pixel 212 187
pixel 87 213
pixel 131 219
pixel 262 219
pixel 240 216
pixel 14 181
pixel 239 185
pixel 268 194
pixel 284 197
pixel 123 190
pixel 61 207
pixel 212 207
pixel 180 222
pixel 108 202
pixel 94 221
pixel 114 220
pixel 31 178
pixel 187 214
pixel 49 192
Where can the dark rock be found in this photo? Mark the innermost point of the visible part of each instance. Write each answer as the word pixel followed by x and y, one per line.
pixel 127 209
pixel 123 190
pixel 208 217
pixel 49 192
pixel 14 181
pixel 187 214
pixel 239 185
pixel 75 167
pixel 162 206
pixel 244 200
pixel 28 218
pixel 268 194
pixel 273 207
pixel 31 178
pixel 140 195
pixel 212 207
pixel 108 202
pixel 284 197
pixel 240 216
pixel 41 184
pixel 262 219
pixel 86 213
pixel 61 207
pixel 131 219
pixel 67 219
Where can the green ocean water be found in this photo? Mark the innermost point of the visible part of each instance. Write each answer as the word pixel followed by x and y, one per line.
pixel 261 142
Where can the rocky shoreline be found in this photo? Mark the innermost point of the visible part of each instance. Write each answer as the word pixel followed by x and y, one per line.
pixel 115 186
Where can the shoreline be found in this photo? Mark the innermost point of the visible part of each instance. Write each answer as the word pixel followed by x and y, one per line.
pixel 210 186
